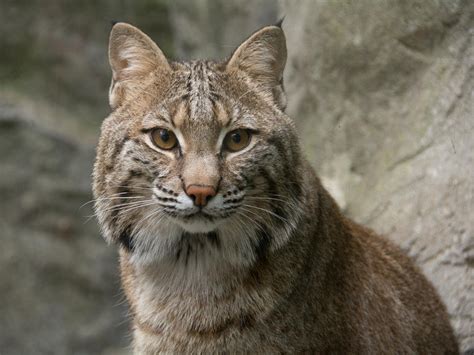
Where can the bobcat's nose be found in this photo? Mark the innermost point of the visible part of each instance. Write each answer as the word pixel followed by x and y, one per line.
pixel 200 194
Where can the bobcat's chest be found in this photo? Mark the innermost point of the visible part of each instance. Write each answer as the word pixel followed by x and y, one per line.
pixel 176 305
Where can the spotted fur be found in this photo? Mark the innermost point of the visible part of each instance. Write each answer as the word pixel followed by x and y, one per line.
pixel 269 264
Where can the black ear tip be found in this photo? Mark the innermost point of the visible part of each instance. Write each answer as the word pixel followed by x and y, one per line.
pixel 114 22
pixel 279 23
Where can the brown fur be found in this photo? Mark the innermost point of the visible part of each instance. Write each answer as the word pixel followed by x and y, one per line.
pixel 275 267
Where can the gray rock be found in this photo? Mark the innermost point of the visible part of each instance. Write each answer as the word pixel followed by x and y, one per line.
pixel 213 29
pixel 59 290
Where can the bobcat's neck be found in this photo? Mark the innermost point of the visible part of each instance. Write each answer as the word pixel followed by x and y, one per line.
pixel 208 294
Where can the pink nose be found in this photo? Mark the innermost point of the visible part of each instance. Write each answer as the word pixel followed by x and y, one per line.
pixel 201 194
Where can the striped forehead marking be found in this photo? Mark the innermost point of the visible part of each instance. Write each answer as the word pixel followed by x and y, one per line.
pixel 200 104
pixel 200 101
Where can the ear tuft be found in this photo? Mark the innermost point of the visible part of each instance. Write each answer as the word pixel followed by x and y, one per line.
pixel 132 55
pixel 114 22
pixel 279 23
pixel 263 57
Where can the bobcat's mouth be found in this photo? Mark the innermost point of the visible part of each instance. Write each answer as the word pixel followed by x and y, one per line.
pixel 198 219
pixel 199 215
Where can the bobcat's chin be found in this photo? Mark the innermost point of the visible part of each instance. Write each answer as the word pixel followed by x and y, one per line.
pixel 197 223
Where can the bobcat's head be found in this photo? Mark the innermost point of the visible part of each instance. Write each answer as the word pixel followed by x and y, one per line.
pixel 197 154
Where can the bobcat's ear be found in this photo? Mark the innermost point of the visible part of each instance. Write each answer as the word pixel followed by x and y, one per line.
pixel 132 55
pixel 263 57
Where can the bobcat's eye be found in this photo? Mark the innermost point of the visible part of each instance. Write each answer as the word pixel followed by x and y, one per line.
pixel 237 140
pixel 163 138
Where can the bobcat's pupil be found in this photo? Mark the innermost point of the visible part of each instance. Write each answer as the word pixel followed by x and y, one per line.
pixel 236 137
pixel 164 135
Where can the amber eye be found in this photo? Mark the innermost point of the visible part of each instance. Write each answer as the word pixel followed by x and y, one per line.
pixel 237 140
pixel 164 138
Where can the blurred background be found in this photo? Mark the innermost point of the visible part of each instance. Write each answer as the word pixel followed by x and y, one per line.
pixel 382 93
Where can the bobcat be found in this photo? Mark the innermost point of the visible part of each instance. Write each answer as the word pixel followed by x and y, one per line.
pixel 228 241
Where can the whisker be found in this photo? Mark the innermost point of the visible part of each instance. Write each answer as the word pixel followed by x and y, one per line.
pixel 268 211
pixel 149 203
pixel 250 197
pixel 133 187
pixel 125 204
pixel 253 222
pixel 159 210
pixel 253 213
pixel 124 207
pixel 109 199
pixel 146 220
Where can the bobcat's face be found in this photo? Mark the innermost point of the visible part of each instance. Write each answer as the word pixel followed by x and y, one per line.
pixel 195 152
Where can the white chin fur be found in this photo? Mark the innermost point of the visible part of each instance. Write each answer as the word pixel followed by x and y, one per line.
pixel 195 225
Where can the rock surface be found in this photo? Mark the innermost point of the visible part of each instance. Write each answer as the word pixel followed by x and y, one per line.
pixel 59 286
pixel 213 29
